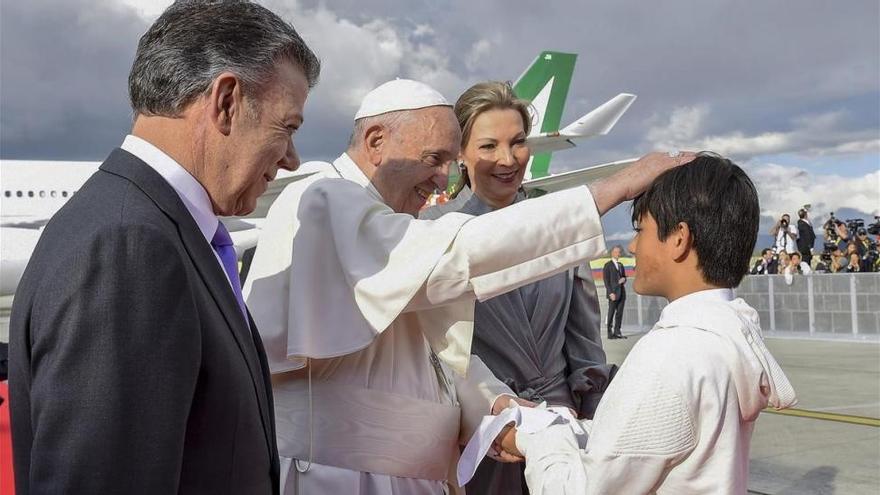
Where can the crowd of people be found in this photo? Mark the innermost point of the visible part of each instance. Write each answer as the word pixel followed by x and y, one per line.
pixel 368 344
pixel 847 247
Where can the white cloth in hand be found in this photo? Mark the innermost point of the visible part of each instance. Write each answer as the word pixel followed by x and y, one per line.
pixel 526 420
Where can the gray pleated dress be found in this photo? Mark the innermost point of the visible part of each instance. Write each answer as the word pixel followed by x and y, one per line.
pixel 544 341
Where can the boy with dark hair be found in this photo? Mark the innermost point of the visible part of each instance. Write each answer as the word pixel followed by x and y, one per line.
pixel 679 415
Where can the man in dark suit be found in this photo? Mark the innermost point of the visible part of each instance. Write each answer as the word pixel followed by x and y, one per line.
pixel 806 236
pixel 614 275
pixel 135 366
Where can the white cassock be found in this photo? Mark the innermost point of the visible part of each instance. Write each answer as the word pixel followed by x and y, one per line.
pixel 678 416
pixel 381 304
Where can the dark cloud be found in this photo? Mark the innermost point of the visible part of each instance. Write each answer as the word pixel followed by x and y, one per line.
pixel 63 77
pixel 757 67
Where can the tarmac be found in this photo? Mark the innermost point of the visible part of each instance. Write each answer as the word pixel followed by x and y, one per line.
pixel 830 442
pixel 832 445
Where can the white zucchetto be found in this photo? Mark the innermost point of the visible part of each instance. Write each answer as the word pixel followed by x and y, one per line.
pixel 397 95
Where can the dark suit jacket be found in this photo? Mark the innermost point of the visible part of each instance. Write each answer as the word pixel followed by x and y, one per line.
pixel 611 275
pixel 806 236
pixel 131 368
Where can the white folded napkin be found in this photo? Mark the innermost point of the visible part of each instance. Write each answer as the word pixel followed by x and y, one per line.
pixel 526 419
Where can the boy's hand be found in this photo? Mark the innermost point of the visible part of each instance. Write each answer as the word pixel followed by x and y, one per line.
pixel 504 448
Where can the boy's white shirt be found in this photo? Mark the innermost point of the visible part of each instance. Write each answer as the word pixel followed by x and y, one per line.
pixel 678 416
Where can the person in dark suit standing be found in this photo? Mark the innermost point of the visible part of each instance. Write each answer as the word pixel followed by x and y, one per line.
pixel 614 275
pixel 135 365
pixel 806 236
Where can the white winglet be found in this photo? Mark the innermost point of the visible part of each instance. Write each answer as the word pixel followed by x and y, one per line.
pixel 601 120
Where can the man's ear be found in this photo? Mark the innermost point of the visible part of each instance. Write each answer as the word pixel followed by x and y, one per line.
pixel 225 100
pixel 375 138
pixel 680 241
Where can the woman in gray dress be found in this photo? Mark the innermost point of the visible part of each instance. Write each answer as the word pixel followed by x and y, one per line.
pixel 543 340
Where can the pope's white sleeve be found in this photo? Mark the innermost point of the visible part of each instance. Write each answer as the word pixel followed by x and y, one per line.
pixel 477 393
pixel 514 246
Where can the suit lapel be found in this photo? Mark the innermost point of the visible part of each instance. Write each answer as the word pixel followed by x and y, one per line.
pixel 149 181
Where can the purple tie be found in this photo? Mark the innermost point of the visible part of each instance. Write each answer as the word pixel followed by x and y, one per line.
pixel 222 244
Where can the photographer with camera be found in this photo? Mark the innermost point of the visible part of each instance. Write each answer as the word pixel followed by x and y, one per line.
pixel 866 249
pixel 839 261
pixel 806 237
pixel 786 235
pixel 795 265
pixel 766 264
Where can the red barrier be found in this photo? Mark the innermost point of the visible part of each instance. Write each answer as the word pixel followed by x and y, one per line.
pixel 7 485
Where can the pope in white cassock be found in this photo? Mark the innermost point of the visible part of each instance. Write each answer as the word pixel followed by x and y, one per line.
pixel 367 312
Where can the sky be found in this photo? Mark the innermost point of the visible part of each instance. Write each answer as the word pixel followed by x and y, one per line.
pixel 789 90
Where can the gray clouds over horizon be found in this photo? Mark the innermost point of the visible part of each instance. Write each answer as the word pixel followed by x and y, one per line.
pixel 749 79
pixel 747 68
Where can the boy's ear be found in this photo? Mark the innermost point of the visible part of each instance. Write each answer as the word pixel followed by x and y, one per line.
pixel 680 241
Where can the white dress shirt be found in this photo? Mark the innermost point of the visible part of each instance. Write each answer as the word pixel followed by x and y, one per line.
pixel 193 195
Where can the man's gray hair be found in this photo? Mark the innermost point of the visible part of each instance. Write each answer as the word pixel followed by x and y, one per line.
pixel 194 41
pixel 392 121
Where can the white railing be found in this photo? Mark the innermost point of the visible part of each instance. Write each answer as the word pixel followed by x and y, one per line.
pixel 840 305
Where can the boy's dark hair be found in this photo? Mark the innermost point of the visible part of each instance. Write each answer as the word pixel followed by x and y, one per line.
pixel 718 202
pixel 765 251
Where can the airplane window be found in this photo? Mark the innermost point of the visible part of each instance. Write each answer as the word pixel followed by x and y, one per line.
pixel 8 194
pixel 30 194
pixel 52 193
pixel 17 194
pixel 42 194
pixel 63 194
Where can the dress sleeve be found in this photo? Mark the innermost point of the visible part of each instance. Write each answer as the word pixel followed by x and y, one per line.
pixel 588 372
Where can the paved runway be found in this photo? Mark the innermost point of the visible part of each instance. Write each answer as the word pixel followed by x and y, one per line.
pixel 812 454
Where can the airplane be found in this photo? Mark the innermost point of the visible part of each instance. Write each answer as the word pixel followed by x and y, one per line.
pixel 32 191
pixel 545 83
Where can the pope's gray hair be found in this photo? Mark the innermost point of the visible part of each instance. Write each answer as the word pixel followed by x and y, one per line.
pixel 393 122
pixel 194 41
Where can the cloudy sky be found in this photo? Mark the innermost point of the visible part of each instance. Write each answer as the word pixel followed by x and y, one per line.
pixel 790 90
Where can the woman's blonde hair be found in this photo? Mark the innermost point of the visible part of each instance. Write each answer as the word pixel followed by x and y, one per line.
pixel 479 98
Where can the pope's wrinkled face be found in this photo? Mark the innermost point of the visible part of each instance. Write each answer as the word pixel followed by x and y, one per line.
pixel 415 158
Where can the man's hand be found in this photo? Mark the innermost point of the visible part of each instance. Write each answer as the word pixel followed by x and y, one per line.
pixel 622 281
pixel 634 179
pixel 612 296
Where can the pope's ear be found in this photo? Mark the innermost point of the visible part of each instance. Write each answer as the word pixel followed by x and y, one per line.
pixel 681 240
pixel 375 138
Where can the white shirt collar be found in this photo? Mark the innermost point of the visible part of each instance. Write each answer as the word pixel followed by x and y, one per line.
pixel 191 192
pixel 714 295
pixel 688 307
pixel 348 169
